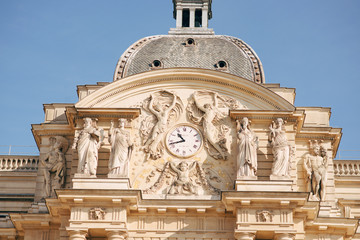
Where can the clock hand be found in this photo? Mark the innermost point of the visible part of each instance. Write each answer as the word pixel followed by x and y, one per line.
pixel 181 141
pixel 179 135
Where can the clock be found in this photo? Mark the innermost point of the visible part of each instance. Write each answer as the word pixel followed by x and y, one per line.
pixel 184 141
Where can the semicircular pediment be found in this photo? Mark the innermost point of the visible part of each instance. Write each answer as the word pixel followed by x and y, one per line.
pixel 131 91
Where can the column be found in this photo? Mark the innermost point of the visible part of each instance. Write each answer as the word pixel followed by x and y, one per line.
pixel 77 234
pixel 284 236
pixel 192 18
pixel 179 14
pixel 205 17
pixel 116 234
pixel 244 235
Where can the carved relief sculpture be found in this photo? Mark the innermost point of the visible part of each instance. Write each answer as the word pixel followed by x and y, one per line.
pixel 316 165
pixel 54 164
pixel 182 183
pixel 87 142
pixel 166 107
pixel 203 109
pixel 247 145
pixel 121 149
pixel 97 214
pixel 280 148
pixel 264 216
pixel 182 179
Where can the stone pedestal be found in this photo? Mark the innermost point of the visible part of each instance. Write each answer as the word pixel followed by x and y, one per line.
pixel 96 183
pixel 277 178
pixel 246 178
pixel 264 186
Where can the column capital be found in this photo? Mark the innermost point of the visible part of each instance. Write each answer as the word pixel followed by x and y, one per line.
pixel 77 234
pixel 284 236
pixel 114 234
pixel 244 235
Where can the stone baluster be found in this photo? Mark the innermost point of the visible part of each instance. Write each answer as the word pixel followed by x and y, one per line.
pixel 113 234
pixel 77 234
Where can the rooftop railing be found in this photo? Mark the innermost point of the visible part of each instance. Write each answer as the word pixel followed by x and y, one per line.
pixel 19 163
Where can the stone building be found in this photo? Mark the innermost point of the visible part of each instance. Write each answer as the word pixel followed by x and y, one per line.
pixel 187 142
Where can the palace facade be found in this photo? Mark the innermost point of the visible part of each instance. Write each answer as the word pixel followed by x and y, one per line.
pixel 187 142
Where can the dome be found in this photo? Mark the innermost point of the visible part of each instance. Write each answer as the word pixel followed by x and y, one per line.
pixel 214 52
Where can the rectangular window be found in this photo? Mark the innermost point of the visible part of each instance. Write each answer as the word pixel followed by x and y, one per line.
pixel 198 18
pixel 186 18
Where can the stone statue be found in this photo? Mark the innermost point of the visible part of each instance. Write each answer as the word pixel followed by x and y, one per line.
pixel 182 179
pixel 247 145
pixel 121 149
pixel 87 142
pixel 164 105
pixel 316 165
pixel 182 183
pixel 203 110
pixel 54 164
pixel 280 148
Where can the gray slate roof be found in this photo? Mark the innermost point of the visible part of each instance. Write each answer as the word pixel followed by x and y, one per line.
pixel 207 51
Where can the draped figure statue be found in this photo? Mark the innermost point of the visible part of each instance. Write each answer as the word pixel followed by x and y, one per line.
pixel 280 148
pixel 247 146
pixel 87 144
pixel 121 149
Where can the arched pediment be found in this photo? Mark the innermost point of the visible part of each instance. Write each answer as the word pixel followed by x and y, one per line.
pixel 133 90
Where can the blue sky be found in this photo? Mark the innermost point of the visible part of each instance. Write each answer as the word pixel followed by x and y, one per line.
pixel 49 47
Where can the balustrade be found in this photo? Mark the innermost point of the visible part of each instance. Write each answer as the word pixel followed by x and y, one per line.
pixel 19 163
pixel 347 168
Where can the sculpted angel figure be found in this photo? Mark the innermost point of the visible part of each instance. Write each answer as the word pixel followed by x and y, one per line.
pixel 280 149
pixel 160 107
pixel 210 113
pixel 121 149
pixel 184 179
pixel 182 183
pixel 87 143
pixel 54 164
pixel 316 165
pixel 247 145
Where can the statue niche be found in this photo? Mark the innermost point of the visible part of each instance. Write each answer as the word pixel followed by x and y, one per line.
pixel 165 108
pixel 182 179
pixel 316 165
pixel 54 164
pixel 87 142
pixel 203 109
pixel 121 149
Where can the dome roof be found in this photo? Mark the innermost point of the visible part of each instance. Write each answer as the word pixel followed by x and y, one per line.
pixel 214 52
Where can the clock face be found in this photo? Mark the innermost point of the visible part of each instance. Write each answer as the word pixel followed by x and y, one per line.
pixel 184 141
